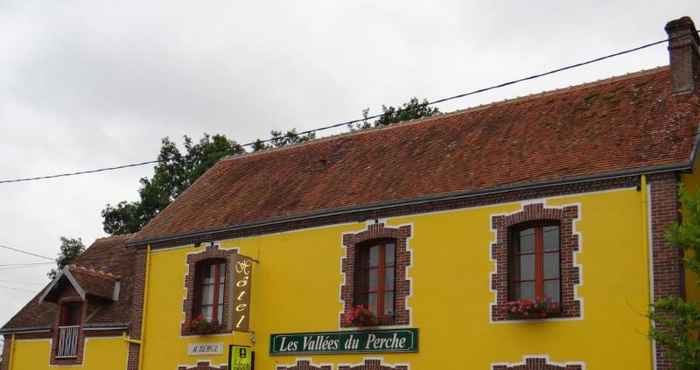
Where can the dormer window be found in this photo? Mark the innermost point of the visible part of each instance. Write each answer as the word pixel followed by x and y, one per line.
pixel 68 330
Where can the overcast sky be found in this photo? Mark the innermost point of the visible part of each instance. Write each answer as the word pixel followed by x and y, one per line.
pixel 89 84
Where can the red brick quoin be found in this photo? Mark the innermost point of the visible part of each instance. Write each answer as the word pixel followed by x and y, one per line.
pixel 304 365
pixel 403 259
pixel 570 274
pixel 203 366
pixel 537 363
pixel 212 252
pixel 372 365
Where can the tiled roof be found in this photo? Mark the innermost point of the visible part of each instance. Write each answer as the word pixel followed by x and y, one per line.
pixel 105 261
pixel 623 123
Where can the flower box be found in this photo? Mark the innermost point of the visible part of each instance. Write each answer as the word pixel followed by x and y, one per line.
pixel 199 325
pixel 526 309
pixel 361 316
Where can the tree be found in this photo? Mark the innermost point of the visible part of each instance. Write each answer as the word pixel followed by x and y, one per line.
pixel 173 174
pixel 70 249
pixel 413 109
pixel 678 321
pixel 279 139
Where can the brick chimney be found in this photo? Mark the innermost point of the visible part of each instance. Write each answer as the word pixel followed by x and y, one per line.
pixel 685 55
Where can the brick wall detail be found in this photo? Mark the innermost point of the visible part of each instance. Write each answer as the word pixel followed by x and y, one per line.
pixel 372 364
pixel 138 290
pixel 212 251
pixel 538 363
pixel 304 365
pixel 570 273
pixel 403 261
pixel 667 259
pixel 203 365
pixel 4 365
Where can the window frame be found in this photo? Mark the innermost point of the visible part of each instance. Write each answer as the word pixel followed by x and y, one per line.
pixel 571 305
pixel 363 269
pixel 219 291
pixel 403 262
pixel 514 252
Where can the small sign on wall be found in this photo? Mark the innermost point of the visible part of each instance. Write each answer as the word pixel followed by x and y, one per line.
pixel 197 349
pixel 240 358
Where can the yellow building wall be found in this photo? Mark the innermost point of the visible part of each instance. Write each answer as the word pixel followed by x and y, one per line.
pixel 99 354
pixel 296 288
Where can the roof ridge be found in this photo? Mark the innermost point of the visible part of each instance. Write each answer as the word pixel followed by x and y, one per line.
pixel 93 271
pixel 475 108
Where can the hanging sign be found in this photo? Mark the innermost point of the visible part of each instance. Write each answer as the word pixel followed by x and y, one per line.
pixel 243 273
pixel 361 341
pixel 240 358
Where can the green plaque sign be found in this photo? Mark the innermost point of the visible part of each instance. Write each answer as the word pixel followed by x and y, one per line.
pixel 240 358
pixel 358 341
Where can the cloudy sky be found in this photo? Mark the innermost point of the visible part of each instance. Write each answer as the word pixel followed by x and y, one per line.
pixel 88 84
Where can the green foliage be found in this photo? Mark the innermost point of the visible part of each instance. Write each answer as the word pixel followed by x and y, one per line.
pixel 280 139
pixel 677 325
pixel 174 173
pixel 413 109
pixel 677 322
pixel 70 249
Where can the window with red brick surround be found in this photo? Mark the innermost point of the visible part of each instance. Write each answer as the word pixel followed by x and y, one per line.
pixel 205 271
pixel 304 365
pixel 538 363
pixel 507 227
pixel 366 280
pixel 204 365
pixel 372 364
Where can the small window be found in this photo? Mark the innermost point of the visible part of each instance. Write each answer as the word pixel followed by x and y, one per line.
pixel 535 263
pixel 70 314
pixel 210 286
pixel 375 278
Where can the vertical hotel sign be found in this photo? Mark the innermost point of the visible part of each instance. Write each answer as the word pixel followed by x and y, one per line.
pixel 242 274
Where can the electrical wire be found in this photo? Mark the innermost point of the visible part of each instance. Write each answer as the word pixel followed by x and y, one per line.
pixel 26 252
pixel 375 116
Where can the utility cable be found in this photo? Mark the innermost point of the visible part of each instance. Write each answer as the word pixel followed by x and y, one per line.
pixel 375 116
pixel 26 252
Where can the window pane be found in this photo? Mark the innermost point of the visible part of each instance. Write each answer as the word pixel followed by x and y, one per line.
pixel 389 254
pixel 222 272
pixel 220 313
pixel 207 294
pixel 373 279
pixel 372 302
pixel 207 312
pixel 551 290
pixel 551 238
pixel 527 241
pixel 208 274
pixel 526 290
pixel 527 267
pixel 374 256
pixel 389 303
pixel 551 265
pixel 389 278
pixel 220 299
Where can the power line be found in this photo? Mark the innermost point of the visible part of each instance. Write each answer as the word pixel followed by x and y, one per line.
pixel 27 253
pixel 26 264
pixel 375 116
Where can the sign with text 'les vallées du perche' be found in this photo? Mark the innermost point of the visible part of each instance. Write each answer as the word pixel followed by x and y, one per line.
pixel 359 341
